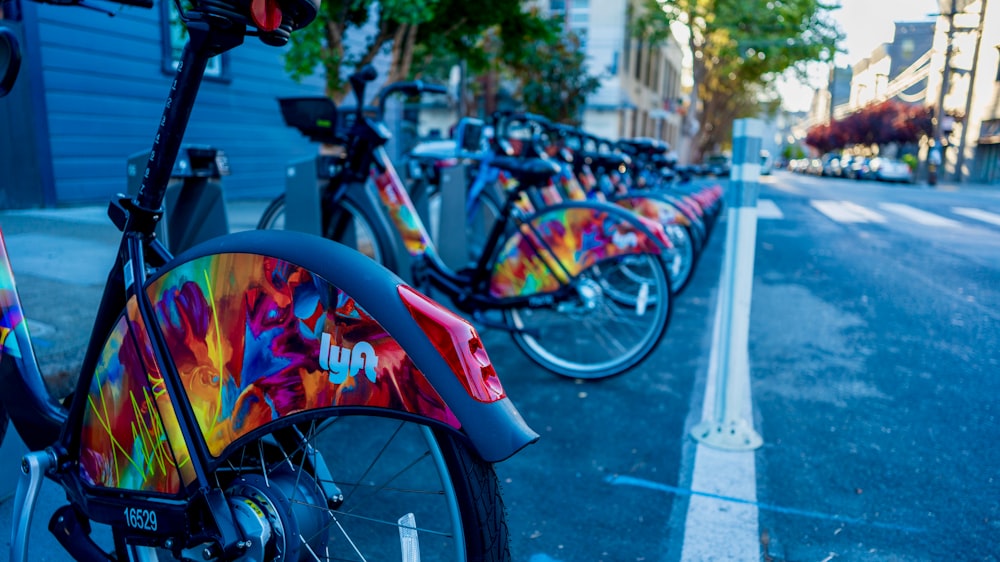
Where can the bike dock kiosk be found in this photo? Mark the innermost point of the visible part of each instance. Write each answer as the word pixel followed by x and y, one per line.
pixel 194 206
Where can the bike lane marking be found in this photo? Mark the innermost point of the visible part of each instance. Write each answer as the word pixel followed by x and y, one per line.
pixel 977 214
pixel 918 216
pixel 716 529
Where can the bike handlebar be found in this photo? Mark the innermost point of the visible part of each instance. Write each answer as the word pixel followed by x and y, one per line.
pixel 410 88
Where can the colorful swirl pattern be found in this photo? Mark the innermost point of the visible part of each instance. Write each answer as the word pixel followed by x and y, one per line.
pixel 578 238
pixel 253 338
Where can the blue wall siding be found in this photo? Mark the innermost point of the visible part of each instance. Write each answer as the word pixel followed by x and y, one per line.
pixel 105 90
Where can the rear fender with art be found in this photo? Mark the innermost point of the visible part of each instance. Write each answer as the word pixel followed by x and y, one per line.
pixel 261 337
pixel 553 246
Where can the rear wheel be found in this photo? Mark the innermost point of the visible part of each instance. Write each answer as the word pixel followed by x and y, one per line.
pixel 610 323
pixel 360 488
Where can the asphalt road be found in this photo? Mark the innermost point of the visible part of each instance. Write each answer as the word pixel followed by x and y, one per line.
pixel 873 353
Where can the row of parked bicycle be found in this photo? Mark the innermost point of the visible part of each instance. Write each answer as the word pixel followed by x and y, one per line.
pixel 880 168
pixel 269 395
pixel 576 244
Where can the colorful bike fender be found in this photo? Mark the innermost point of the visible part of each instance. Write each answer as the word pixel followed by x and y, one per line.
pixel 257 333
pixel 559 242
pixel 654 209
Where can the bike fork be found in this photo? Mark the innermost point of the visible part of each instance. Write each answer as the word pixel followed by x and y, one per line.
pixel 34 466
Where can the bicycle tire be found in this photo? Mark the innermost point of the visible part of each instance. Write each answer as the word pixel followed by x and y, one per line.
pixel 473 527
pixel 593 335
pixel 347 223
pixel 682 260
pixel 273 217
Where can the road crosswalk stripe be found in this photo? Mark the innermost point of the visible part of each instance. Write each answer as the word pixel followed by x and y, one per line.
pixel 767 209
pixel 845 211
pixel 919 216
pixel 977 214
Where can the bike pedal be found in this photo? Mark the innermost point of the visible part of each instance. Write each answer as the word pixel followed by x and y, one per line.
pixel 34 466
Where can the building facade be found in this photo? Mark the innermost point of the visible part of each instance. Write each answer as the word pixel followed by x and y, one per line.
pixel 640 81
pixel 92 88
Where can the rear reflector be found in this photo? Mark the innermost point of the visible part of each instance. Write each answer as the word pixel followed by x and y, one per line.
pixel 266 14
pixel 457 341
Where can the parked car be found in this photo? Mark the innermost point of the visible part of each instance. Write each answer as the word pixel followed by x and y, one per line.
pixel 718 165
pixel 815 167
pixel 891 169
pixel 830 166
pixel 859 169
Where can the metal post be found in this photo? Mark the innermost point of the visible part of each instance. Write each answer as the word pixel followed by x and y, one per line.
pixel 945 79
pixel 960 161
pixel 727 427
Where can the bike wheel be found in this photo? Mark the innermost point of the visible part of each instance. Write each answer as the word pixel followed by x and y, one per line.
pixel 593 334
pixel 680 261
pixel 361 488
pixel 347 223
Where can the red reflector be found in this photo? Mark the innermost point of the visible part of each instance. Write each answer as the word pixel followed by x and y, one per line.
pixel 266 14
pixel 457 341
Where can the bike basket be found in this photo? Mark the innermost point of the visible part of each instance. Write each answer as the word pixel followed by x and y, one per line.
pixel 314 117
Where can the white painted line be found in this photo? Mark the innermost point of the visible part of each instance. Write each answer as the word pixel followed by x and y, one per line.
pixel 766 209
pixel 715 529
pixel 865 212
pixel 977 214
pixel 846 212
pixel 918 216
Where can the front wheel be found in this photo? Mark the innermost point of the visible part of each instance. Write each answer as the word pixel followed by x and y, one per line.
pixel 360 488
pixel 346 222
pixel 608 325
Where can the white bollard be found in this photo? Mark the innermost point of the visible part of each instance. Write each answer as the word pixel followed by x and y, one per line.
pixel 728 426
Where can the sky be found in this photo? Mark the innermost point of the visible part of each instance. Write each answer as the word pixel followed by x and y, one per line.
pixel 866 24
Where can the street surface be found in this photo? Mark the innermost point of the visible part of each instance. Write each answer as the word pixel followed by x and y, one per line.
pixel 873 353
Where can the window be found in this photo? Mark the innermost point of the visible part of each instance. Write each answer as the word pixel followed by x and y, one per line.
pixel 10 10
pixel 174 37
pixel 908 47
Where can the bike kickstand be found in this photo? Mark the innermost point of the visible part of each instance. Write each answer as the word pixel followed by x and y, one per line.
pixel 34 466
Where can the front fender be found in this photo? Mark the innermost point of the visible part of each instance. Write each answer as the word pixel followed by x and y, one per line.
pixel 263 325
pixel 553 246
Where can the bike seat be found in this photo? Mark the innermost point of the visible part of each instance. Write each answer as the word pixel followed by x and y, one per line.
pixel 606 160
pixel 529 172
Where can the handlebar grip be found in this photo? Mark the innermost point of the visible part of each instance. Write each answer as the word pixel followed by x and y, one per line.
pixel 366 74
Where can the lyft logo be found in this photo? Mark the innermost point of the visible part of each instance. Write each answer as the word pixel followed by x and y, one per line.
pixel 342 362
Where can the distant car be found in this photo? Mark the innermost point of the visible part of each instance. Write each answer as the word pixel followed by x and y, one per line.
pixel 830 165
pixel 890 169
pixel 815 167
pixel 859 169
pixel 718 165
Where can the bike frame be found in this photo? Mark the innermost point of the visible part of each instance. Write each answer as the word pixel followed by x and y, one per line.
pixel 534 267
pixel 143 434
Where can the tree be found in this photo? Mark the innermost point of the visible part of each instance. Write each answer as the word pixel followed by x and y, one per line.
pixel 740 48
pixel 321 44
pixel 552 79
pixel 891 121
pixel 423 36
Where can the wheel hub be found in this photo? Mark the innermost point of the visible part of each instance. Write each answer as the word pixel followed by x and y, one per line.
pixel 283 515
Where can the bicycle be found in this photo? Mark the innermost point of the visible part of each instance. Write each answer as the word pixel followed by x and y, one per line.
pixel 577 181
pixel 264 395
pixel 540 272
